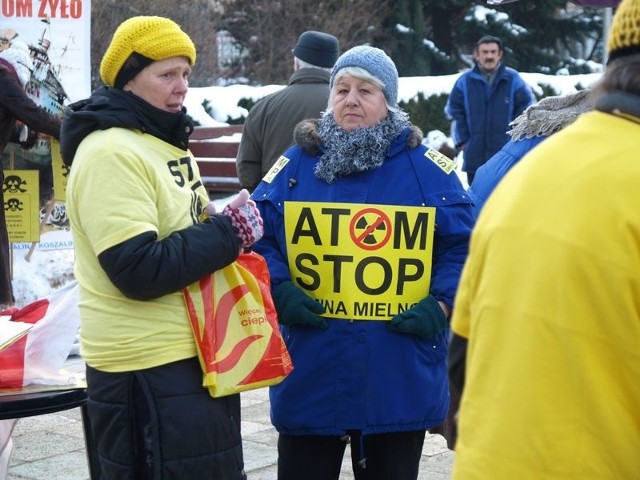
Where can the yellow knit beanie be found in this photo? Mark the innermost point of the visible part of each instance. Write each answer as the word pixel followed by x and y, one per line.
pixel 155 38
pixel 624 37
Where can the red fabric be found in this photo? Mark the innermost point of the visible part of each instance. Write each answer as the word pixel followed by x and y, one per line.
pixel 12 357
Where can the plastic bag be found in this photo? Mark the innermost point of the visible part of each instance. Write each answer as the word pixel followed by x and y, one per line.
pixel 37 358
pixel 235 326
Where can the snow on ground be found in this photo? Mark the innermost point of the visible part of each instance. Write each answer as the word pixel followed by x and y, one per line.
pixel 43 272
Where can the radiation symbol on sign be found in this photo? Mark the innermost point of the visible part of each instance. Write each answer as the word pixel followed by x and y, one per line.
pixel 370 229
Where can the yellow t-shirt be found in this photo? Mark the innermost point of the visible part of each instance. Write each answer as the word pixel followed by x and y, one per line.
pixel 550 302
pixel 123 183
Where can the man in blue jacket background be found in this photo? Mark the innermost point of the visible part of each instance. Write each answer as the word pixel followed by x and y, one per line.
pixel 482 103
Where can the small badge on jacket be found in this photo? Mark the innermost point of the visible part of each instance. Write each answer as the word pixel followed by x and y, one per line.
pixel 441 160
pixel 275 169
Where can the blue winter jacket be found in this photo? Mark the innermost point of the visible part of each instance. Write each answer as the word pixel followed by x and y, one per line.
pixel 489 175
pixel 481 113
pixel 357 374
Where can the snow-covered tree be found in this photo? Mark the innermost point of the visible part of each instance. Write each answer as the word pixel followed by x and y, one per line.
pixel 267 30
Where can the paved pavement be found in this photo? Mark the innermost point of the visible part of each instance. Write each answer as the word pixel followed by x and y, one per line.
pixel 52 446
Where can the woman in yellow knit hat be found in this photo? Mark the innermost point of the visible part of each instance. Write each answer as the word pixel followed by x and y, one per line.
pixel 135 201
pixel 549 298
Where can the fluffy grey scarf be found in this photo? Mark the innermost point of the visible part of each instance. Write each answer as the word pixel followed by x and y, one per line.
pixel 551 114
pixel 348 152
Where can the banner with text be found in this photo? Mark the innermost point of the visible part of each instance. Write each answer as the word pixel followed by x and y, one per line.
pixel 361 261
pixel 57 34
pixel 21 191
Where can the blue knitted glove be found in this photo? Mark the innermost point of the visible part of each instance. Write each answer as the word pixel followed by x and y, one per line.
pixel 295 307
pixel 425 319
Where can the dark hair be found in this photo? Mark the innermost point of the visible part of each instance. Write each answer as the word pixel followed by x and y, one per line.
pixel 131 67
pixel 621 75
pixel 489 39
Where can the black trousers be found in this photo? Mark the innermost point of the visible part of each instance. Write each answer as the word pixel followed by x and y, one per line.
pixel 386 456
pixel 161 424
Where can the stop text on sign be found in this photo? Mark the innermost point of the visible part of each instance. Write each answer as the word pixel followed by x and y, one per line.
pixel 361 261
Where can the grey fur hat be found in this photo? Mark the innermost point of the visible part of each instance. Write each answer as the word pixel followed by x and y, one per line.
pixel 374 61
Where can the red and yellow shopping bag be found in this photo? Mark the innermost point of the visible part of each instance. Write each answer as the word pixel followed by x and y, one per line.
pixel 235 325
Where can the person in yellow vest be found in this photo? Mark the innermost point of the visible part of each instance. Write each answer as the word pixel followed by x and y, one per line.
pixel 136 204
pixel 549 298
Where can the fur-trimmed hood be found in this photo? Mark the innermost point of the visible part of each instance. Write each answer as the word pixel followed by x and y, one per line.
pixel 305 135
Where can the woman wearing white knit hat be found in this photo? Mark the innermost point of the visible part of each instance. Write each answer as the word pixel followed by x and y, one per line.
pixel 20 122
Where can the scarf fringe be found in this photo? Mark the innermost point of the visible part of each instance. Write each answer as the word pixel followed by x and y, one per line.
pixel 551 114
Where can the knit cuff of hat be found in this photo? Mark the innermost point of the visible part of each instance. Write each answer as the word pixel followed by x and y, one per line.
pixel 132 67
pixel 623 52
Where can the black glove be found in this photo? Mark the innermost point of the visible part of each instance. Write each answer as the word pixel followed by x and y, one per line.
pixel 295 307
pixel 425 319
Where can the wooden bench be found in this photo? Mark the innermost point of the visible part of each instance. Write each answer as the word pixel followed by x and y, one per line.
pixel 216 157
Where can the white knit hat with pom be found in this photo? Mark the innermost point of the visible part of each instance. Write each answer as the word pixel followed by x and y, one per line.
pixel 20 59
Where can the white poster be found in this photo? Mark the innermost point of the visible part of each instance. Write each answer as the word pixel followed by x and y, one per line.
pixel 58 33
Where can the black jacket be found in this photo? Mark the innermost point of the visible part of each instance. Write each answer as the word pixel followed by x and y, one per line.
pixel 144 267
